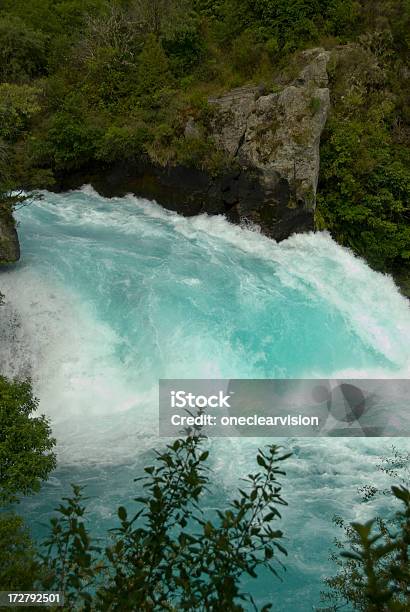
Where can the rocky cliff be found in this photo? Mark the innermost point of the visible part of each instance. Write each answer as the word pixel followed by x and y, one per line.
pixel 270 141
pixel 9 244
pixel 275 138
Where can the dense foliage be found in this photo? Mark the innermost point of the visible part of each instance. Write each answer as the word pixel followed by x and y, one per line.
pixel 26 459
pixel 19 562
pixel 26 445
pixel 108 80
pixel 365 156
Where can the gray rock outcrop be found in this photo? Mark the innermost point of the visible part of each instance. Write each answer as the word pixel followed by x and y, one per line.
pixel 9 243
pixel 276 138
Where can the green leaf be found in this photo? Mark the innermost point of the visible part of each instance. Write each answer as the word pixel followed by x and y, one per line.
pixel 261 461
pixel 122 513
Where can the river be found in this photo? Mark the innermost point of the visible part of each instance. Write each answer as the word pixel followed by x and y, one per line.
pixel 113 294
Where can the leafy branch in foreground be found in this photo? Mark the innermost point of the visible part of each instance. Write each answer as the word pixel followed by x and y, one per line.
pixel 373 560
pixel 395 466
pixel 167 556
pixel 69 564
pixel 382 561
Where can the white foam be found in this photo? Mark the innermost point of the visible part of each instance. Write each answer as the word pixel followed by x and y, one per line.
pixel 70 356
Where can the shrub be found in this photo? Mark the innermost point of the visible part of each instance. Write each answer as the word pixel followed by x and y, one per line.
pixel 22 50
pixel 166 555
pixel 153 67
pixel 19 565
pixel 364 192
pixel 374 570
pixel 26 445
pixel 372 559
pixel 246 53
pixel 18 104
pixel 125 142
pixel 72 141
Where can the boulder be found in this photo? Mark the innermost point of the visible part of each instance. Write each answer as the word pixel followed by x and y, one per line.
pixel 9 243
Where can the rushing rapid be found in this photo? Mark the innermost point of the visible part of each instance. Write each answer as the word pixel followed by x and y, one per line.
pixel 112 295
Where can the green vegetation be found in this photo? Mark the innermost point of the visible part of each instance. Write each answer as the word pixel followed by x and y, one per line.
pixel 373 558
pixel 167 555
pixel 19 561
pixel 117 79
pixel 365 157
pixel 26 456
pixel 374 563
pixel 26 459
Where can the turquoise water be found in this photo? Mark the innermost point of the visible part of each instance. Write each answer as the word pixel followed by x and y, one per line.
pixel 113 294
